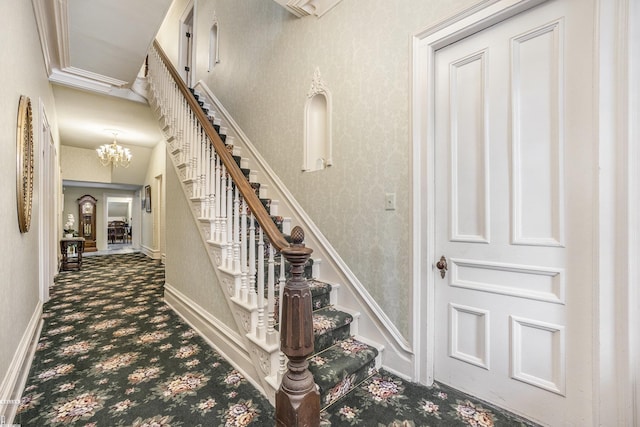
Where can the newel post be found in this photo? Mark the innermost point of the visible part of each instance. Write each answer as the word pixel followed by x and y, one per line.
pixel 297 400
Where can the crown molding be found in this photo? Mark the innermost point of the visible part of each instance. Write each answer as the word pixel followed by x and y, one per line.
pixel 52 19
pixel 302 8
pixel 64 78
pixel 95 76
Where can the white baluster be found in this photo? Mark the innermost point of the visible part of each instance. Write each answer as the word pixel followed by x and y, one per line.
pixel 229 222
pixel 260 333
pixel 236 230
pixel 197 155
pixel 252 260
pixel 223 214
pixel 281 282
pixel 209 180
pixel 244 242
pixel 271 279
pixel 202 166
pixel 218 197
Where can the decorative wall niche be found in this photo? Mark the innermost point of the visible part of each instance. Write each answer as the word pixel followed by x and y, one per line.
pixel 214 43
pixel 317 126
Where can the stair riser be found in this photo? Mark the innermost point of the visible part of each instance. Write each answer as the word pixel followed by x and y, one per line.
pixel 327 397
pixel 326 340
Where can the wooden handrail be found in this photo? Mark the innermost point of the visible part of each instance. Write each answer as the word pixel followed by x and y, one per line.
pixel 262 216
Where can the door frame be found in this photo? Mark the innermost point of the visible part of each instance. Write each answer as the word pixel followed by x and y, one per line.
pixel 616 392
pixel 186 49
pixel 425 45
pixel 49 216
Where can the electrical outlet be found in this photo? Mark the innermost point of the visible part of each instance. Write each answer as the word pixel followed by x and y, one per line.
pixel 390 201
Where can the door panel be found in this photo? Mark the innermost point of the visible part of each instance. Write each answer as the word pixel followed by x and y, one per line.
pixel 514 213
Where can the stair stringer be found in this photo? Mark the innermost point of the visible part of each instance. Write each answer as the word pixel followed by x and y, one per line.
pixel 264 356
pixel 374 324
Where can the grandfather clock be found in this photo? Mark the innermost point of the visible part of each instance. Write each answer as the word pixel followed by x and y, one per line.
pixel 87 214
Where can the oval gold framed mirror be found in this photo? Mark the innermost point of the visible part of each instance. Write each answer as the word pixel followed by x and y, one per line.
pixel 24 170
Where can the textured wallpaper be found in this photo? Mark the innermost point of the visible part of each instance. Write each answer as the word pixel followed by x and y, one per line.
pixel 363 50
pixel 185 250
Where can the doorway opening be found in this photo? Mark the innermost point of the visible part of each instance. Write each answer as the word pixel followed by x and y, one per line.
pixel 120 224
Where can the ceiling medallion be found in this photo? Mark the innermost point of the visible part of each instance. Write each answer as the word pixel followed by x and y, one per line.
pixel 24 157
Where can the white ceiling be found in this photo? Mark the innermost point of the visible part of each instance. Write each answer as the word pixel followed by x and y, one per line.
pixel 94 51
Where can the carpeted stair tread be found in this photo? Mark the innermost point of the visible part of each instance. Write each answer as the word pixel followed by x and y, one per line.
pixel 330 325
pixel 278 221
pixel 256 187
pixel 320 295
pixel 342 367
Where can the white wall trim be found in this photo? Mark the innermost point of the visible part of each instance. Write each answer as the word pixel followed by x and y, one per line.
pixel 219 336
pixel 16 377
pixel 633 208
pixel 190 8
pixel 47 261
pixel 617 229
pixel 150 252
pixel 425 43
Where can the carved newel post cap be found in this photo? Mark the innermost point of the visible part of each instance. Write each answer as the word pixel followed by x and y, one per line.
pixel 297 236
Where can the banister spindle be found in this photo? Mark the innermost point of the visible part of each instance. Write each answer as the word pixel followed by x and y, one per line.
pixel 217 200
pixel 236 230
pixel 261 325
pixel 229 222
pixel 297 400
pixel 252 259
pixel 271 280
pixel 223 215
pixel 210 177
pixel 281 282
pixel 244 242
pixel 199 165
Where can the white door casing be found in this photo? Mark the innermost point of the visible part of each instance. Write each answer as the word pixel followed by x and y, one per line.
pixel 187 43
pixel 520 241
pixel 49 217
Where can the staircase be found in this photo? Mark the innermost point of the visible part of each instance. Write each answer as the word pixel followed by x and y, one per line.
pixel 248 266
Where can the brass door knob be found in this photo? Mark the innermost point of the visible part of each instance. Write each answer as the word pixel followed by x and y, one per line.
pixel 442 266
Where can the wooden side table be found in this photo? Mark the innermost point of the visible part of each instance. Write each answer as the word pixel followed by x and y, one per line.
pixel 71 249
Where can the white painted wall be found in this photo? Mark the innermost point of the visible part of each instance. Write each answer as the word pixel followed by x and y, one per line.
pixel 152 241
pixel 82 164
pixel 188 268
pixel 22 73
pixel 362 49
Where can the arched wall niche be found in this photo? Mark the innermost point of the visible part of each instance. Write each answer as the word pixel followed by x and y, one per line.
pixel 317 126
pixel 214 44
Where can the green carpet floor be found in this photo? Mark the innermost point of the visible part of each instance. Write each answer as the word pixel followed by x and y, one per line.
pixel 111 353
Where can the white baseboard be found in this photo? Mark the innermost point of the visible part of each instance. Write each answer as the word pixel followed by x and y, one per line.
pixel 223 339
pixel 150 252
pixel 16 377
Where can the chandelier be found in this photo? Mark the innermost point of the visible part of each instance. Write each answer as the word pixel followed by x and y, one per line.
pixel 114 154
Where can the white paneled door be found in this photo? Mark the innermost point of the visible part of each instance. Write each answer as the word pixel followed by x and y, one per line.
pixel 514 213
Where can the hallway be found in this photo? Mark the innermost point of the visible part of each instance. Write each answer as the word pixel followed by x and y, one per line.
pixel 112 353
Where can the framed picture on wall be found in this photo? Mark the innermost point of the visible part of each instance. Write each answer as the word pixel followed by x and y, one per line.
pixel 147 198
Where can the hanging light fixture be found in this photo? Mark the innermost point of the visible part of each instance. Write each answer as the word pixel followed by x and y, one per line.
pixel 114 154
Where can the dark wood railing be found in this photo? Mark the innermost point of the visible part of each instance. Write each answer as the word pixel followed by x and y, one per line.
pixel 297 400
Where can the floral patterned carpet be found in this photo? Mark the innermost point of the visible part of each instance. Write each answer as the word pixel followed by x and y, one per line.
pixel 111 353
